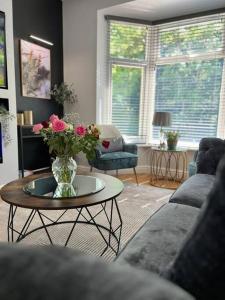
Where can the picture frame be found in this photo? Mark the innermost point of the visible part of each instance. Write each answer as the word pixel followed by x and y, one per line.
pixel 1 151
pixel 35 66
pixel 3 56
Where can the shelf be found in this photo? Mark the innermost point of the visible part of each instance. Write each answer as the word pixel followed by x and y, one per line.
pixel 31 136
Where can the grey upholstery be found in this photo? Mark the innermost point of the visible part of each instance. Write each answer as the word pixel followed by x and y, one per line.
pixel 158 241
pixel 194 190
pixel 62 274
pixel 200 264
pixel 211 150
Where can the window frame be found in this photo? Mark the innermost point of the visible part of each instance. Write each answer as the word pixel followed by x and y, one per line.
pixel 149 65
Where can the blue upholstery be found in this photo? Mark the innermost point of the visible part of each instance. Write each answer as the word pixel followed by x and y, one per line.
pixel 115 161
pixel 192 167
pixel 118 155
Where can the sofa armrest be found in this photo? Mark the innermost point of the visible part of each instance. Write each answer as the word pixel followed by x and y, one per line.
pixel 211 150
pixel 131 148
pixel 53 273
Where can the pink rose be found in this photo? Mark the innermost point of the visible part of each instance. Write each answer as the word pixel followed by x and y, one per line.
pixel 59 125
pixel 53 118
pixel 80 130
pixel 37 128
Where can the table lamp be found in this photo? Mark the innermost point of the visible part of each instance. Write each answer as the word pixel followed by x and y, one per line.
pixel 162 119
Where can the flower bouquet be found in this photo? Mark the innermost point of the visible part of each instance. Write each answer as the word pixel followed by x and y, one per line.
pixel 65 140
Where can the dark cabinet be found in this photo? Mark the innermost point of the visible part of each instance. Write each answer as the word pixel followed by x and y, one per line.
pixel 33 152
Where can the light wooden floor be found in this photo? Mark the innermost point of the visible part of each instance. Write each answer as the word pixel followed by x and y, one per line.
pixel 144 179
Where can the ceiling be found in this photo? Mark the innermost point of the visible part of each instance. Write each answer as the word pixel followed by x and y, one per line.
pixel 153 10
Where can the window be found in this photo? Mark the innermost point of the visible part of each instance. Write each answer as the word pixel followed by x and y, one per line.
pixel 127 62
pixel 176 67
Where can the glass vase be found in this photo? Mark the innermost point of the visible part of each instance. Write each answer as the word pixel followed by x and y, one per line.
pixel 64 169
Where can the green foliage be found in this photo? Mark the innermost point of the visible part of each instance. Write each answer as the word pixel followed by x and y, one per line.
pixel 172 136
pixel 126 98
pixel 127 41
pixel 68 144
pixel 193 39
pixel 64 93
pixel 190 90
pixel 4 113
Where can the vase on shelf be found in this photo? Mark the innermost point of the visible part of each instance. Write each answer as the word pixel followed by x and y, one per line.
pixel 64 169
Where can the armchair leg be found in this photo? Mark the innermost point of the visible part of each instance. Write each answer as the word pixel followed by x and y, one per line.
pixel 105 172
pixel 135 173
pixel 117 173
pixel 91 168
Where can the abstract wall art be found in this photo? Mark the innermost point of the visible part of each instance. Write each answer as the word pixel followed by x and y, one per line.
pixel 3 65
pixel 35 70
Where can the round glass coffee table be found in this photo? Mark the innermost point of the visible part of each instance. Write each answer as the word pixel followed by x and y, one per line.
pixel 40 193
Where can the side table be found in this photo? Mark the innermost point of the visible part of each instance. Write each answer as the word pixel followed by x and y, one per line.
pixel 168 168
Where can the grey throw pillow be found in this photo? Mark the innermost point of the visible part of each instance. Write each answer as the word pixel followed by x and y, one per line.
pixel 114 145
pixel 199 267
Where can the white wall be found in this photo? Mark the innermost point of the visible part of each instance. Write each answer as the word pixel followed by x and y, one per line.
pixel 80 51
pixel 9 168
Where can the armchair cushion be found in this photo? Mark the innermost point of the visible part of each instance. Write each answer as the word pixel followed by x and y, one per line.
pixel 115 161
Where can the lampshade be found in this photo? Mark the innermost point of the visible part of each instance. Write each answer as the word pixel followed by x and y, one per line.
pixel 161 118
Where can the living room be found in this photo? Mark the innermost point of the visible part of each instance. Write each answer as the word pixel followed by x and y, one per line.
pixel 111 149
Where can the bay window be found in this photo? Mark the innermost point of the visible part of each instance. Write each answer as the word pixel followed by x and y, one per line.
pixel 176 67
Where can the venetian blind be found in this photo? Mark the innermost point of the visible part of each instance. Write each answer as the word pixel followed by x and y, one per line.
pixel 175 67
pixel 128 60
pixel 189 71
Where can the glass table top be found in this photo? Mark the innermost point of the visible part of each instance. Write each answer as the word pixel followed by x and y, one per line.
pixel 47 187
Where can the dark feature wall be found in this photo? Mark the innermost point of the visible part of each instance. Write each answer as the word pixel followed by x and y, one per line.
pixel 42 18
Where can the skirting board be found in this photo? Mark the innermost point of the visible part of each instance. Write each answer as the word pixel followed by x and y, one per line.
pixel 139 169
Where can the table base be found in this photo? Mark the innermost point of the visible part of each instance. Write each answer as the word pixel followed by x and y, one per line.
pixel 15 235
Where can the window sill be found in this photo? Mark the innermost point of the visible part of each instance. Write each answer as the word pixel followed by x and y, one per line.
pixel 188 148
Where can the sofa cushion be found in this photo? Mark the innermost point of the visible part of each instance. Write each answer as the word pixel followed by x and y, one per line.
pixel 51 273
pixel 194 190
pixel 211 150
pixel 200 266
pixel 158 241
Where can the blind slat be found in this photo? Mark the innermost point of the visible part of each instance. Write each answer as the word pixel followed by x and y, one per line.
pixel 176 68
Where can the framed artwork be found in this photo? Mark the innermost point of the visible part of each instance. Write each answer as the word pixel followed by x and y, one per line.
pixel 1 156
pixel 3 63
pixel 35 70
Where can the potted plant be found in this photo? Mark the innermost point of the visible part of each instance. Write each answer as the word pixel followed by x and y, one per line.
pixel 63 93
pixel 65 140
pixel 172 139
pixel 5 117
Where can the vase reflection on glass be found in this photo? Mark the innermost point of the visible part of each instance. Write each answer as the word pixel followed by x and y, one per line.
pixel 64 190
pixel 64 169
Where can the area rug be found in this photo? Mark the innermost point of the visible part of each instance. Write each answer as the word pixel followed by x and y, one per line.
pixel 136 203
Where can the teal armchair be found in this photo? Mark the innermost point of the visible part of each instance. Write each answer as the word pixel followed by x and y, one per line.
pixel 118 155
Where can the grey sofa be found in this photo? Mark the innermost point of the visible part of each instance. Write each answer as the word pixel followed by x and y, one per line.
pixel 159 249
pixel 195 190
pixel 161 237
